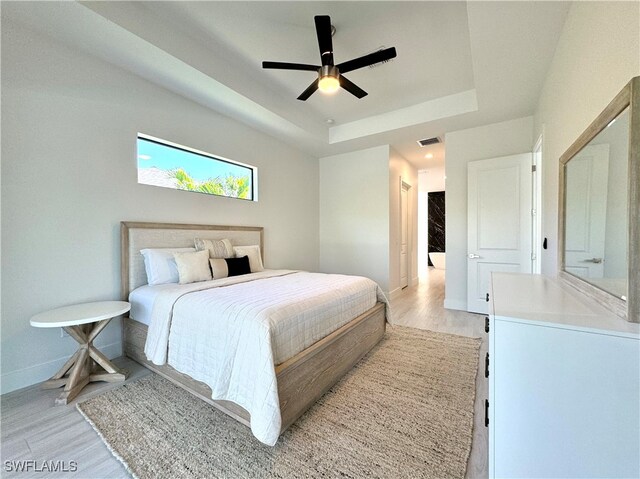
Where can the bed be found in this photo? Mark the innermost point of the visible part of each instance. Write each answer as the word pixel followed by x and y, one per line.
pixel 294 380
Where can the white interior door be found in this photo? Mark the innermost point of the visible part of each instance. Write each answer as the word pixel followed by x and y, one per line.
pixel 586 208
pixel 404 235
pixel 499 223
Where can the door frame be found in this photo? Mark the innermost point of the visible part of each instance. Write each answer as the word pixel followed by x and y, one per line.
pixel 407 187
pixel 536 202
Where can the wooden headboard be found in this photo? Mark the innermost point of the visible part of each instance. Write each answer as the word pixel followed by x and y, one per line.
pixel 135 236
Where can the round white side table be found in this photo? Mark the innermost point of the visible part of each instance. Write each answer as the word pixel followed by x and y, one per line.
pixel 83 322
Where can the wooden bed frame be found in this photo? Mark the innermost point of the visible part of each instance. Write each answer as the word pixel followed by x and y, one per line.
pixel 302 380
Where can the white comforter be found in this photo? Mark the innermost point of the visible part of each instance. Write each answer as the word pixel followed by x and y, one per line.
pixel 231 333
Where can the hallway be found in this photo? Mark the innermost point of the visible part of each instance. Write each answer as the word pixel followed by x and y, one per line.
pixel 422 307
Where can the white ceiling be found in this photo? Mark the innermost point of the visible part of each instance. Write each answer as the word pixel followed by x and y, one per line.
pixel 459 64
pixel 253 32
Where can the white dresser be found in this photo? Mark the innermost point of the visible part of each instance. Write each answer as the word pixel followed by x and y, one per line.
pixel 564 383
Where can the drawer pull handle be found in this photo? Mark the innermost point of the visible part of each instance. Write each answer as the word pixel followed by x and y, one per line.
pixel 486 413
pixel 486 366
pixel 486 324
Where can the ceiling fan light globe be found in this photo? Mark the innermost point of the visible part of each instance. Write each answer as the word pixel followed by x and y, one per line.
pixel 328 84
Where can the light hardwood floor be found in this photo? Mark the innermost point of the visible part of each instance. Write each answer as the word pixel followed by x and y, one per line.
pixel 32 428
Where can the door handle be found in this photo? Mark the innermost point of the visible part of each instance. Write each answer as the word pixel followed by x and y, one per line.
pixel 594 260
pixel 473 256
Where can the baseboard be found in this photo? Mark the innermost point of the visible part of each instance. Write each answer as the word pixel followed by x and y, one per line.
pixel 455 304
pixel 31 375
pixel 391 295
pixel 415 281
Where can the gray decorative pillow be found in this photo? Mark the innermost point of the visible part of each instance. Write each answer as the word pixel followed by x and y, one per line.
pixel 217 248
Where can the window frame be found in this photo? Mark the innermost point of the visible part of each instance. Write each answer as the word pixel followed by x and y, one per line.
pixel 170 144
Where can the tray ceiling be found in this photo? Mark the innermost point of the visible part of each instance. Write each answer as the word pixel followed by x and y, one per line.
pixel 459 64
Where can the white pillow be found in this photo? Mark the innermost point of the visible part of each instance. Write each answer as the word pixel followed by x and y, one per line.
pixel 193 267
pixel 160 264
pixel 253 252
pixel 217 248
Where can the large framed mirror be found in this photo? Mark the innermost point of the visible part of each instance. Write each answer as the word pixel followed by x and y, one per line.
pixel 599 230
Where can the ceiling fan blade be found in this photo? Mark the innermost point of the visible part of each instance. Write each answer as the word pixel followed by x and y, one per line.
pixel 309 91
pixel 351 87
pixel 323 29
pixel 365 61
pixel 290 66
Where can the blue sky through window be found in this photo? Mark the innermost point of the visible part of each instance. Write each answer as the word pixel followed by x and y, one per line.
pixel 165 164
pixel 199 167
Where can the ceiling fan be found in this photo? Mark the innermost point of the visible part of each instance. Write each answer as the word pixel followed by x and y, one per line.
pixel 330 76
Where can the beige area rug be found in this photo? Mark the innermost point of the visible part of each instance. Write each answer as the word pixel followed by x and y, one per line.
pixel 405 410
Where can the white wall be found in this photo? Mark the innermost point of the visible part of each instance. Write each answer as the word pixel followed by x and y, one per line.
pixel 354 214
pixel 69 125
pixel 597 54
pixel 401 169
pixel 489 141
pixel 435 178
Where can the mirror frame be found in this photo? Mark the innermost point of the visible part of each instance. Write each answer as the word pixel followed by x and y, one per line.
pixel 629 309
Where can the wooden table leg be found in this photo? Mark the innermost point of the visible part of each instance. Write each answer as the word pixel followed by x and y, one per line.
pixel 80 369
pixel 77 378
pixel 112 372
pixel 59 379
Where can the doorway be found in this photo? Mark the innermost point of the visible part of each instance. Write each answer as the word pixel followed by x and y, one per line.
pixel 436 223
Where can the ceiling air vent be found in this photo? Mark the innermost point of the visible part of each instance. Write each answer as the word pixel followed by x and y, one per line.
pixel 429 141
